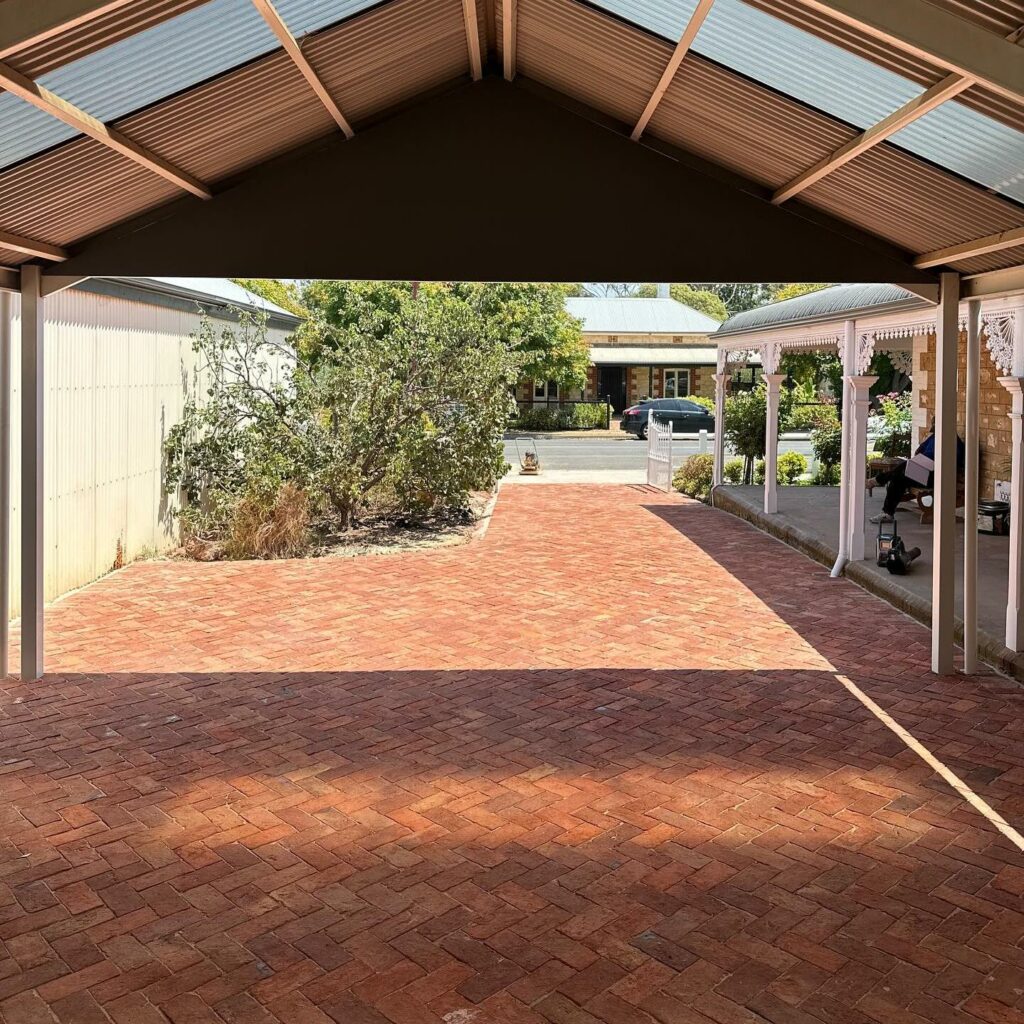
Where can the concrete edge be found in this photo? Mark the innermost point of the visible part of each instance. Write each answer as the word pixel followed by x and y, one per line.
pixel 991 649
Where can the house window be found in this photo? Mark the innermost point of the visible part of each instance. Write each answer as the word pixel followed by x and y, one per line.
pixel 677 383
pixel 545 391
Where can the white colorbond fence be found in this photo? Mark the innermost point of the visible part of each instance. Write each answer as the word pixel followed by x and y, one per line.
pixel 117 374
pixel 659 453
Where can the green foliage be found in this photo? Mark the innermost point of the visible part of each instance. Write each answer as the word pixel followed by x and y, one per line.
pixel 893 438
pixel 578 416
pixel 792 291
pixel 285 294
pixel 529 319
pixel 733 471
pixel 706 403
pixel 827 476
pixel 694 476
pixel 810 417
pixel 410 420
pixel 745 427
pixel 791 466
pixel 827 442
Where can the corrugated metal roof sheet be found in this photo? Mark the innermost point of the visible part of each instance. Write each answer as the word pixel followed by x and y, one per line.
pixel 652 355
pixel 219 289
pixel 639 316
pixel 828 304
pixel 306 16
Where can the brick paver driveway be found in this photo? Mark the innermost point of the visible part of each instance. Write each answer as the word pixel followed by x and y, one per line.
pixel 597 767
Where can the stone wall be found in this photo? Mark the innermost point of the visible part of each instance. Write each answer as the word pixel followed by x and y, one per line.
pixel 993 411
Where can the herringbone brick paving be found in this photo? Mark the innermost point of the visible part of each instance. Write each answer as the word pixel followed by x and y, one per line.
pixel 594 768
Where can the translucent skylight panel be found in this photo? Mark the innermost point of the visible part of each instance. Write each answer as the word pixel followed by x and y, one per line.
pixel 665 18
pixel 26 130
pixel 971 144
pixel 160 61
pixel 305 16
pixel 799 64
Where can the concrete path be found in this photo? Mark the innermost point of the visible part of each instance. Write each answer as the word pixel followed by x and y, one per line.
pixel 625 760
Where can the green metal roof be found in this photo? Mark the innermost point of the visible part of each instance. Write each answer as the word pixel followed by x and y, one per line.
pixel 841 300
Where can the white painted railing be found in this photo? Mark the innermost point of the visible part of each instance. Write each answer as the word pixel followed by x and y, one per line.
pixel 659 453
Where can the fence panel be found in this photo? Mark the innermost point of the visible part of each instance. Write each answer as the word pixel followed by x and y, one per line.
pixel 659 453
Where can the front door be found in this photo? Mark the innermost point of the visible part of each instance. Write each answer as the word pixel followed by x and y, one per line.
pixel 611 384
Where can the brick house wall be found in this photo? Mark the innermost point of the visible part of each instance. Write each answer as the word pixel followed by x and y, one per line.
pixel 993 410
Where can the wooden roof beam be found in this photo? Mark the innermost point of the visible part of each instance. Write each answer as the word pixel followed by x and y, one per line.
pixel 693 26
pixel 947 89
pixel 966 250
pixel 292 48
pixel 476 66
pixel 32 247
pixel 41 97
pixel 934 34
pixel 509 25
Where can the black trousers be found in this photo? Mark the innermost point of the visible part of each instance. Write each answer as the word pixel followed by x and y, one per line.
pixel 895 482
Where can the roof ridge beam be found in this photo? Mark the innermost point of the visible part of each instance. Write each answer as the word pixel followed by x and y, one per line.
pixel 1008 239
pixel 25 23
pixel 936 35
pixel 693 26
pixel 39 96
pixel 950 86
pixel 284 35
pixel 32 247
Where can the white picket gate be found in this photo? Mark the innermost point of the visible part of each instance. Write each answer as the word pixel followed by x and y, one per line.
pixel 659 452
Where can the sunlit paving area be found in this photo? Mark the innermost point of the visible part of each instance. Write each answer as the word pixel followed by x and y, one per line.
pixel 545 776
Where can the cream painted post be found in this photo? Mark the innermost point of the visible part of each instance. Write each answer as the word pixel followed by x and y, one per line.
pixel 971 459
pixel 860 399
pixel 849 357
pixel 5 481
pixel 771 442
pixel 32 496
pixel 944 529
pixel 1014 595
pixel 721 378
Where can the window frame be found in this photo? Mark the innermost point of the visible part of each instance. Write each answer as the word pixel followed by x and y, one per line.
pixel 674 372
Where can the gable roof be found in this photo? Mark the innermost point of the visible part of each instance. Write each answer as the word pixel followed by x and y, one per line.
pixel 826 304
pixel 787 97
pixel 639 316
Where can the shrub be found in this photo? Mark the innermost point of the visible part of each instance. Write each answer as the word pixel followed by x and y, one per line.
pixel 827 476
pixel 827 443
pixel 745 427
pixel 589 416
pixel 810 417
pixel 577 416
pixel 733 471
pixel 895 426
pixel 536 418
pixel 707 403
pixel 694 476
pixel 792 466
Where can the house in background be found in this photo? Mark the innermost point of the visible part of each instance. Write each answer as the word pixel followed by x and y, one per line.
pixel 639 348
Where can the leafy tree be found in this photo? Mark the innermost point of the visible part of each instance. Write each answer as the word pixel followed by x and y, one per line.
pixel 739 297
pixel 408 423
pixel 285 294
pixel 611 289
pixel 701 299
pixel 746 417
pixel 792 291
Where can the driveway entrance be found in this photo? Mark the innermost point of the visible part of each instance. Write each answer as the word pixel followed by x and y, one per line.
pixel 624 760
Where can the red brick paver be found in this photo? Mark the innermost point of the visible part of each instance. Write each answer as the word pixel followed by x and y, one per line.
pixel 594 768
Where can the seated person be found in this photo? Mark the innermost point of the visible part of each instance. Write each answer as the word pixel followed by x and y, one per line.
pixel 897 483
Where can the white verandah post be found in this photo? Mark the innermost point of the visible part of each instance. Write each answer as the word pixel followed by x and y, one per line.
pixel 849 357
pixel 721 378
pixel 971 459
pixel 771 442
pixel 944 530
pixel 1015 588
pixel 860 398
pixel 32 496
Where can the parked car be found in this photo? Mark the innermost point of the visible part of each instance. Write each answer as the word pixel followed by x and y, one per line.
pixel 686 417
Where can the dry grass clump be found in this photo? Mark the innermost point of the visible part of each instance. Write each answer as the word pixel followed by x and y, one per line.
pixel 278 528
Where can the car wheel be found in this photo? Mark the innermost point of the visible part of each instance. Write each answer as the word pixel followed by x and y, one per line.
pixel 642 433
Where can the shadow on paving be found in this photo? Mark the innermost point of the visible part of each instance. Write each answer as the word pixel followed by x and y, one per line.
pixel 616 845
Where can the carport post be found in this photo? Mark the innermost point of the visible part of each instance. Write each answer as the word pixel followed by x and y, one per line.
pixel 1015 590
pixel 5 482
pixel 849 357
pixel 971 458
pixel 32 496
pixel 944 530
pixel 771 442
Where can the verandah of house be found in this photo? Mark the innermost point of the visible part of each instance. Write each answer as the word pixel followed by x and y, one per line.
pixel 965 380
